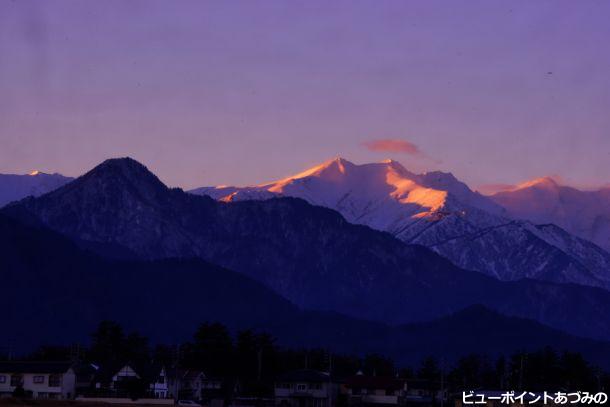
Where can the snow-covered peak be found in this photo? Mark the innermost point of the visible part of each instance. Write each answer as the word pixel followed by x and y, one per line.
pixel 41 174
pixel 331 170
pixel 339 169
pixel 395 165
pixel 583 213
pixel 437 210
pixel 383 195
pixel 444 181
pixel 14 187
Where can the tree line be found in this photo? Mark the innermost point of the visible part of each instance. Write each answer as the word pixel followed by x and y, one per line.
pixel 255 359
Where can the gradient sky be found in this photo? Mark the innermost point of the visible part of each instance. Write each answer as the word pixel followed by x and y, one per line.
pixel 237 92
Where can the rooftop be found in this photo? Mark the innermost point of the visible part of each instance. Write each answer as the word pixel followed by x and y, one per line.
pixel 34 367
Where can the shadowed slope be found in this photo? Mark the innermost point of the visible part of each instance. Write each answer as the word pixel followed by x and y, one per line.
pixel 310 255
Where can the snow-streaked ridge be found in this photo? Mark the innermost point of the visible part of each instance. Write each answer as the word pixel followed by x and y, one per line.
pixel 386 189
pixel 437 210
pixel 583 213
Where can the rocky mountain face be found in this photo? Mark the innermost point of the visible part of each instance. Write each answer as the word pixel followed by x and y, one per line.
pixel 308 254
pixel 438 211
pixel 15 187
pixel 585 214
pixel 56 284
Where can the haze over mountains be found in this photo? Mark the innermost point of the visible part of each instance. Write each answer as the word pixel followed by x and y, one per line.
pixel 436 210
pixel 584 213
pixel 308 254
pixel 14 187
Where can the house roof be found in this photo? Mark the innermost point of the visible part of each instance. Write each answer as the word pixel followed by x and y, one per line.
pixel 148 372
pixel 304 375
pixel 105 373
pixel 375 382
pixel 34 367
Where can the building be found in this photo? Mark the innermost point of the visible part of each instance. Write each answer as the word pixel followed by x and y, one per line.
pixel 306 388
pixel 158 382
pixel 127 380
pixel 40 380
pixel 375 390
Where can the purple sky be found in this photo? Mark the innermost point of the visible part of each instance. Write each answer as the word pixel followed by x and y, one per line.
pixel 208 92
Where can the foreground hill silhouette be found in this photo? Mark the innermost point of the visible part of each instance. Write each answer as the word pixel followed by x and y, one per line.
pixel 59 292
pixel 309 255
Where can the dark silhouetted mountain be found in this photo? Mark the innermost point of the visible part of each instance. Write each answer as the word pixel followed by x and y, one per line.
pixel 14 187
pixel 474 330
pixel 479 330
pixel 58 293
pixel 310 255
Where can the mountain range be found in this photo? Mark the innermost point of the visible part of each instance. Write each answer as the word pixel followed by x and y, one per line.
pixel 14 187
pixel 59 292
pixel 509 235
pixel 543 201
pixel 310 255
pixel 438 211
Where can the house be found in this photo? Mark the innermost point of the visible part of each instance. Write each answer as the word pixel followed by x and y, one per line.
pixel 306 388
pixel 375 390
pixel 128 380
pixel 41 380
pixel 158 381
